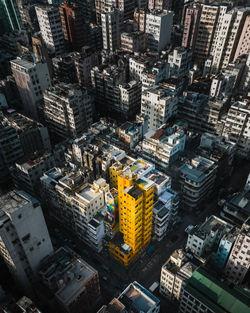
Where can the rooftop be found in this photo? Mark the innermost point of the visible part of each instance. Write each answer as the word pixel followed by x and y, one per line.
pixel 69 272
pixel 80 272
pixel 137 298
pixel 134 192
pixel 217 296
pixel 197 169
pixel 182 264
pixel 23 63
pixel 13 201
pixel 114 306
pixel 158 177
pixel 212 224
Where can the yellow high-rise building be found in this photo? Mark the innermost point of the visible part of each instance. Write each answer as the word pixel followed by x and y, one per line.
pixel 136 198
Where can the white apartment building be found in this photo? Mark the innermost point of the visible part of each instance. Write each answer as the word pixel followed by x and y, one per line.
pixel 67 110
pixel 159 104
pixel 129 101
pixel 238 262
pixel 202 237
pixel 222 85
pixel 155 74
pixel 176 271
pixel 158 29
pixel 179 62
pixel 24 237
pixel 111 29
pixel 197 178
pixel 165 212
pixel 51 28
pixel 237 127
pixel 74 202
pixel 95 232
pixel 31 80
pixel 137 66
pixel 163 145
pixel 227 36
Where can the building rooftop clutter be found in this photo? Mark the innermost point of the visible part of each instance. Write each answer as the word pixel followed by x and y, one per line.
pixel 183 264
pixel 197 168
pixel 212 224
pixel 216 295
pixel 78 273
pixel 64 90
pixel 137 298
pixel 22 63
pixel 20 122
pixel 12 201
pixel 237 209
pixel 31 162
pixel 68 276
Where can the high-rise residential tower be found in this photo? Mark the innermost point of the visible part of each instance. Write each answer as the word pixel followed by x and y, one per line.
pixel 136 199
pixel 24 237
pixel 73 25
pixel 191 23
pixel 158 29
pixel 10 15
pixel 111 29
pixel 31 79
pixel 67 110
pixel 51 28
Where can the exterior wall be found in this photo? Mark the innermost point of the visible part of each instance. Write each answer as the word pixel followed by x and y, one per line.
pixel 27 178
pixel 179 61
pixel 191 25
pixel 223 252
pixel 10 15
pixel 159 5
pixel 158 106
pixel 208 20
pixel 227 36
pixel 237 125
pixel 170 284
pixel 29 244
pixel 10 149
pixel 111 24
pixel 158 30
pixel 238 262
pixel 73 26
pixel 243 46
pixel 190 304
pixel 132 42
pixel 31 82
pixel 73 110
pixel 51 28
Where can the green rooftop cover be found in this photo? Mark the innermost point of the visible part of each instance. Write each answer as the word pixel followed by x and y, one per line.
pixel 216 295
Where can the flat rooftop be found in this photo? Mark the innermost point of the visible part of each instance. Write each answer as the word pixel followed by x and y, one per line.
pixel 23 63
pixel 188 264
pixel 134 192
pixel 212 224
pixel 137 298
pixel 12 201
pixel 197 169
pixel 78 275
pixel 157 177
pixel 87 193
pixel 217 295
